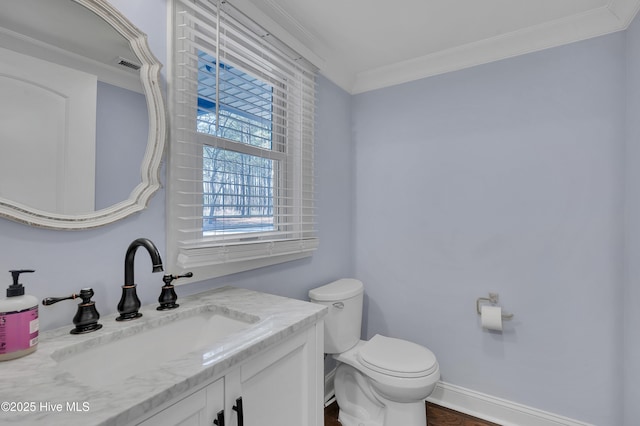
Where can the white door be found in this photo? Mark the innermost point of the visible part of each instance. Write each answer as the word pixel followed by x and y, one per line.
pixel 278 388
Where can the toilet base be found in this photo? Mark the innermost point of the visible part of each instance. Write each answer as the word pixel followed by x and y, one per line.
pixel 361 405
pixel 348 420
pixel 414 414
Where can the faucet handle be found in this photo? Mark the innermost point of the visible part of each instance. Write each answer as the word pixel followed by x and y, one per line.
pixel 51 300
pixel 168 277
pixel 168 295
pixel 86 318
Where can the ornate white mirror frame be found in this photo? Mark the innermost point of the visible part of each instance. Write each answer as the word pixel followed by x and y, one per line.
pixel 150 168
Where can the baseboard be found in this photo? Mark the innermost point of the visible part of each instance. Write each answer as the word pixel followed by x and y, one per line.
pixel 496 410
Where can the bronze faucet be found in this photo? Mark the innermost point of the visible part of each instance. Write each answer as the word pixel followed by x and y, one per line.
pixel 129 302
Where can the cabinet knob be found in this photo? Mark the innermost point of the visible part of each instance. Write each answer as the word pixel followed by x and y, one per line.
pixel 219 420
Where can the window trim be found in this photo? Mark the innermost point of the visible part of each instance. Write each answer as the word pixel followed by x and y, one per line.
pixel 243 251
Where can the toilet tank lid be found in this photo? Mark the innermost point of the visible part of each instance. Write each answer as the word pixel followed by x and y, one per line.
pixel 337 290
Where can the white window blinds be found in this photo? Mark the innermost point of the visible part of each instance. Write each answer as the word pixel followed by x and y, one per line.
pixel 241 190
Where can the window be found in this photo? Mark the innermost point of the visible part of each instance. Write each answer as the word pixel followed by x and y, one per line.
pixel 237 186
pixel 240 187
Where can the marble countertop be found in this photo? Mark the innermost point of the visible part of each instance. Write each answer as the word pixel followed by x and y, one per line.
pixel 33 390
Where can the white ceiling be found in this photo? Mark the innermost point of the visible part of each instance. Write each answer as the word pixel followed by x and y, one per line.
pixel 363 45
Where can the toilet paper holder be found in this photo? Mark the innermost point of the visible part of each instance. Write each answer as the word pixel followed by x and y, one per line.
pixel 493 299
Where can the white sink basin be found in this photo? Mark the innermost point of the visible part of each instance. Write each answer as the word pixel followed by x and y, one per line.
pixel 116 360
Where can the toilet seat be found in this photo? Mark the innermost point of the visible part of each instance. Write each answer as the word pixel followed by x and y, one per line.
pixel 397 357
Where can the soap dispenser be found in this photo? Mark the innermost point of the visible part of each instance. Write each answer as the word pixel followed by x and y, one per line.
pixel 18 321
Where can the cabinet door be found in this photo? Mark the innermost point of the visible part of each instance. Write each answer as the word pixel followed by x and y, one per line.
pixel 197 409
pixel 280 386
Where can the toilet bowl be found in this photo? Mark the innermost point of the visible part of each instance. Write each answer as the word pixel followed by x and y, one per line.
pixel 380 382
pixel 384 381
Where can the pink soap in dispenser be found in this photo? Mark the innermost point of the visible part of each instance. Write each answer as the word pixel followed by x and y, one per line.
pixel 18 321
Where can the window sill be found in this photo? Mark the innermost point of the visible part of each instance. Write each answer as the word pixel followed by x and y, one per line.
pixel 208 262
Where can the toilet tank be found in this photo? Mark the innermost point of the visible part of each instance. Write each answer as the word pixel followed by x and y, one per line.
pixel 342 325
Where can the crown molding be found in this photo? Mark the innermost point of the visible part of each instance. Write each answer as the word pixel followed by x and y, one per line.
pixel 605 20
pixel 616 16
pixel 625 10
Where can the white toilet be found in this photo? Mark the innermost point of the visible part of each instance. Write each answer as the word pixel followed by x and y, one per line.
pixel 380 382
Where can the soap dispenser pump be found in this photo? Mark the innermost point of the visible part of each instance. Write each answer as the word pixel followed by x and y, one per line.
pixel 19 325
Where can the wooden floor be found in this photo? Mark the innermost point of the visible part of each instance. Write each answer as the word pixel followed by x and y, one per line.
pixel 436 416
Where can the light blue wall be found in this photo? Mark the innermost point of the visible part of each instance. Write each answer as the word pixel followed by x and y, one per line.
pixel 632 231
pixel 67 261
pixel 506 178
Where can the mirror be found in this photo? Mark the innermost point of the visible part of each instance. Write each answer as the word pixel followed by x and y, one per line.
pixel 82 119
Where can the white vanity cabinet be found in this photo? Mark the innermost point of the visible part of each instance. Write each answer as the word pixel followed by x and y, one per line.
pixel 278 386
pixel 197 409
